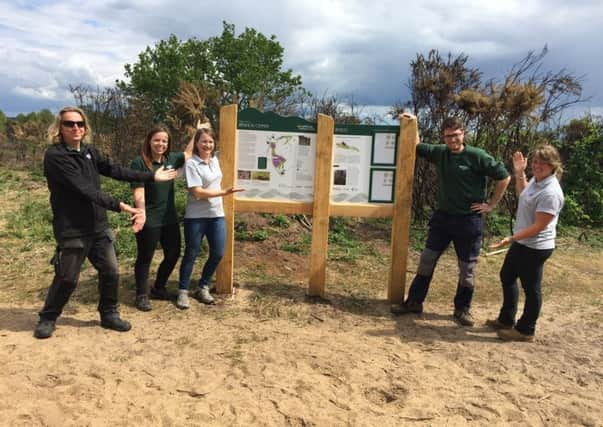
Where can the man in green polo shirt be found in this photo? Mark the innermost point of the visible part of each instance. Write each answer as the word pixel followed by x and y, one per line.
pixel 462 173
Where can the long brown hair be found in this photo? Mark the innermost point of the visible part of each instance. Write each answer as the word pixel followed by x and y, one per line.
pixel 54 131
pixel 147 155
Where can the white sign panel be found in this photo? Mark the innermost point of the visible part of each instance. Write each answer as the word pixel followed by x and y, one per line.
pixel 351 168
pixel 276 165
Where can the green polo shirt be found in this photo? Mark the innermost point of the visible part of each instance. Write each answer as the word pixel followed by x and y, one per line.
pixel 159 196
pixel 462 176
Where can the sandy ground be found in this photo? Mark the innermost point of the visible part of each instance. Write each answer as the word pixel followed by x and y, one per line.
pixel 302 364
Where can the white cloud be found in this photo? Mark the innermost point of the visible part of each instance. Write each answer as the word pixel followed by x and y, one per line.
pixel 344 46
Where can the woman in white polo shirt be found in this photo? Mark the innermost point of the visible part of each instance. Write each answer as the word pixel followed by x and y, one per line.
pixel 532 242
pixel 204 216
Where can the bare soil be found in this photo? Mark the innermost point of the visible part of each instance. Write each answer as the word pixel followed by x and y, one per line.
pixel 267 355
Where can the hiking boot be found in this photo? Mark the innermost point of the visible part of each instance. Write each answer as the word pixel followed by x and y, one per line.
pixel 142 303
pixel 182 302
pixel 406 307
pixel 202 295
pixel 160 294
pixel 514 335
pixel 44 329
pixel 464 317
pixel 115 323
pixel 497 325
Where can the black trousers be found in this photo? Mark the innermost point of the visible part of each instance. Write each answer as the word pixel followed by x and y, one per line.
pixel 527 265
pixel 68 260
pixel 146 243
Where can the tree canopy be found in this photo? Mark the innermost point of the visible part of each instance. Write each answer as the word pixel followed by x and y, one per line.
pixel 246 69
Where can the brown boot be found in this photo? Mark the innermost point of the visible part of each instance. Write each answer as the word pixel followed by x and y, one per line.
pixel 514 335
pixel 406 307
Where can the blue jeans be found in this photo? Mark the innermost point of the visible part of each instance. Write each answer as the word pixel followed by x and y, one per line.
pixel 194 231
pixel 465 232
pixel 528 265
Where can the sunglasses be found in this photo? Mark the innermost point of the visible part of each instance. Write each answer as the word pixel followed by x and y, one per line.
pixel 72 123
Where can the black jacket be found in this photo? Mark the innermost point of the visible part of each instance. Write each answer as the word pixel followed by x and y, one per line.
pixel 79 207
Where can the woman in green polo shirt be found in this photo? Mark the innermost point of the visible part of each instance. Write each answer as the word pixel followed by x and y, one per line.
pixel 160 224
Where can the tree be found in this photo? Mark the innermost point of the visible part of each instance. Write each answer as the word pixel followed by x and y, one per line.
pixel 433 84
pixel 581 146
pixel 502 117
pixel 2 122
pixel 28 133
pixel 246 69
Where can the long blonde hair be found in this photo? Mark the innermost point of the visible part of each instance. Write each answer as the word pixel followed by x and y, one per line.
pixel 54 131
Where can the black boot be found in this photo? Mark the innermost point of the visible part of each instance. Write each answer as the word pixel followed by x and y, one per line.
pixel 44 329
pixel 143 303
pixel 114 322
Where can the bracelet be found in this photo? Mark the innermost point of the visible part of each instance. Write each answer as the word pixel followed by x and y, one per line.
pixel 522 176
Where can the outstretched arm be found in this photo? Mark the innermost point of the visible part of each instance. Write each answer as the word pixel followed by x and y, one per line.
pixel 540 222
pixel 204 193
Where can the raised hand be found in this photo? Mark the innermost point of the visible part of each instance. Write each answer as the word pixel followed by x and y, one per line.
pixel 520 163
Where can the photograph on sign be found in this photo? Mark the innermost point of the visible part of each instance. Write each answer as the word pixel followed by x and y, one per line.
pixel 384 149
pixel 351 164
pixel 382 185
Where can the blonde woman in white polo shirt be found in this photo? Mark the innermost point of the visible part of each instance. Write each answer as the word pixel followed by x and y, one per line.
pixel 532 241
pixel 204 216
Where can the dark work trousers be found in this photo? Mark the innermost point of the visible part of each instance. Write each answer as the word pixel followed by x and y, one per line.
pixel 146 242
pixel 528 265
pixel 465 232
pixel 70 255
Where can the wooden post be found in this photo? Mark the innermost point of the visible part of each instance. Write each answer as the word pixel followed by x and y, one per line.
pixel 228 164
pixel 323 182
pixel 402 206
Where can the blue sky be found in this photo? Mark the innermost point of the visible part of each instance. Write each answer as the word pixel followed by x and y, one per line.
pixel 346 47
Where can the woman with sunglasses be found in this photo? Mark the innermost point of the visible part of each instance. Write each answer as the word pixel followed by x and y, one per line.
pixel 79 209
pixel 204 216
pixel 160 221
pixel 532 241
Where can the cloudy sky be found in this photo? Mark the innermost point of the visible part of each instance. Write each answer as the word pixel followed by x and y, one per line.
pixel 346 47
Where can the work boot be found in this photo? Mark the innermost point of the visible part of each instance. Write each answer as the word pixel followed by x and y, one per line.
pixel 44 329
pixel 115 323
pixel 182 302
pixel 202 295
pixel 514 335
pixel 142 303
pixel 497 325
pixel 406 307
pixel 160 294
pixel 464 317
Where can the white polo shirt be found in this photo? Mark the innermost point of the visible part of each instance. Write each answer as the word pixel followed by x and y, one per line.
pixel 544 196
pixel 208 175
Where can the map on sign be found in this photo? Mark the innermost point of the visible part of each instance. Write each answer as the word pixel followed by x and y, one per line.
pixel 276 165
